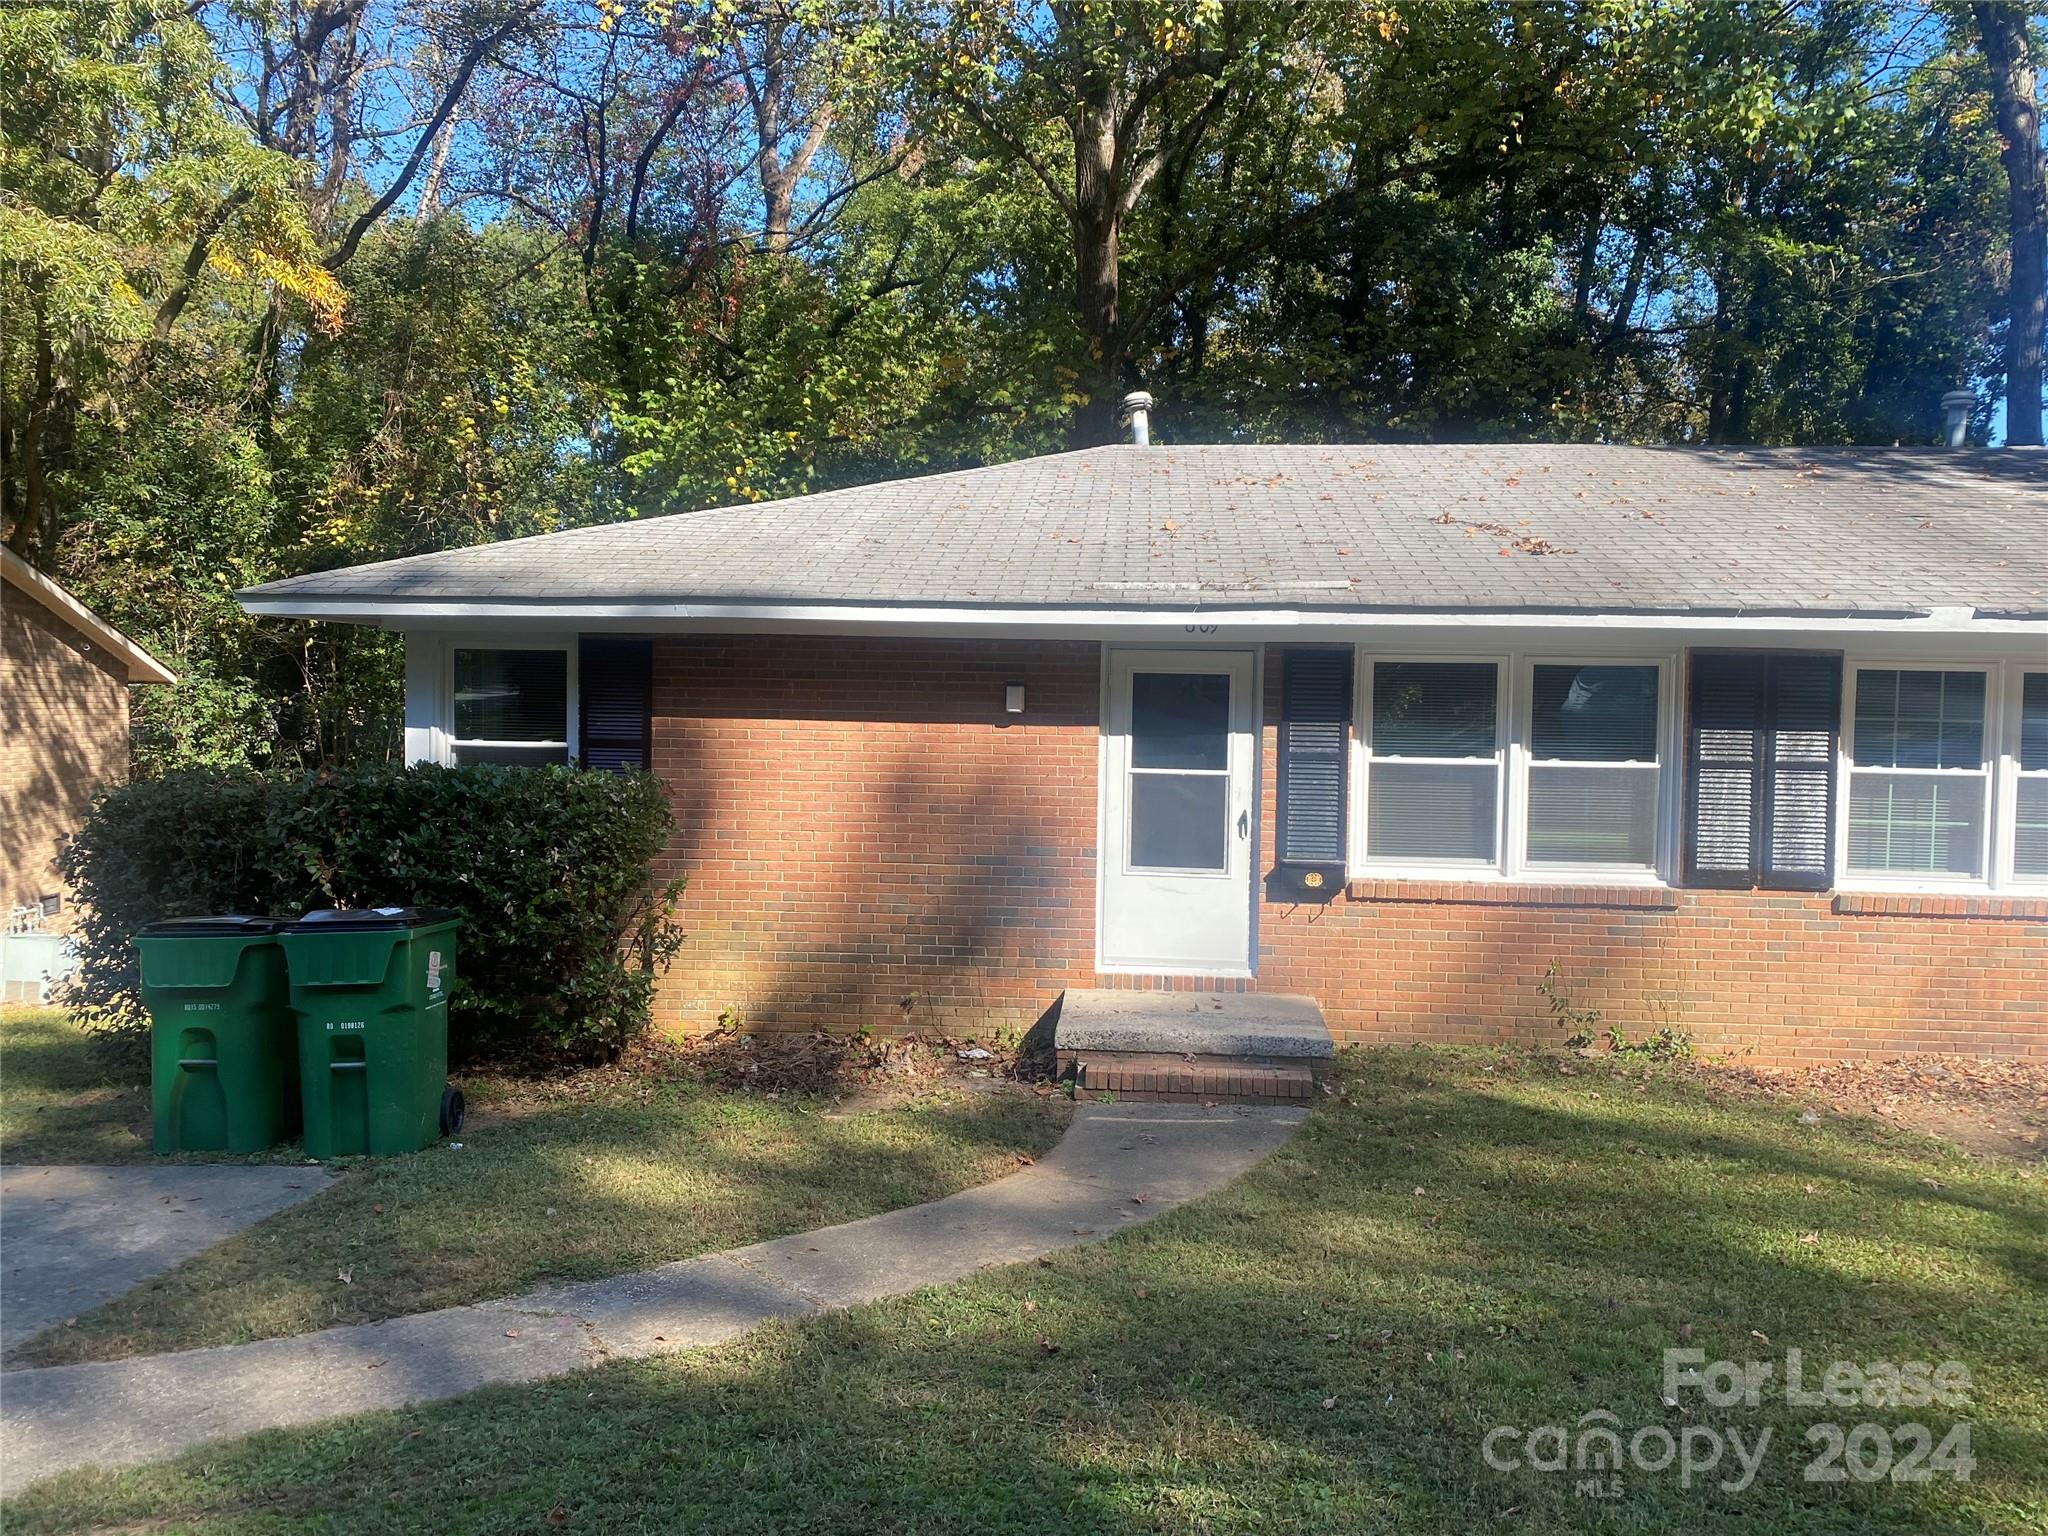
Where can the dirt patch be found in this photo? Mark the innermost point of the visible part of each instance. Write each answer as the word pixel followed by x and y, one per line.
pixel 1999 1108
pixel 867 1070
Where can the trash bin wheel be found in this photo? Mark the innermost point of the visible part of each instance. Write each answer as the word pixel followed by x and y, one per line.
pixel 451 1111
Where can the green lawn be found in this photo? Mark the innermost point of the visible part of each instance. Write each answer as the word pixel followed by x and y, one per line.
pixel 591 1174
pixel 59 1106
pixel 1457 1242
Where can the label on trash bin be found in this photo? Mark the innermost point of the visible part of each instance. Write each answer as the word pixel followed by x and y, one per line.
pixel 334 1025
pixel 433 970
pixel 202 1007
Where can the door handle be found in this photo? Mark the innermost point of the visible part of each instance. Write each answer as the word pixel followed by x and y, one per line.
pixel 1244 823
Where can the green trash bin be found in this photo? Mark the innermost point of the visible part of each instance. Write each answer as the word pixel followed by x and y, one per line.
pixel 370 992
pixel 223 1052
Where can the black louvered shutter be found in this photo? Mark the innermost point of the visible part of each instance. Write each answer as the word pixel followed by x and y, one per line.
pixel 1315 725
pixel 615 681
pixel 1802 721
pixel 1724 811
pixel 1760 770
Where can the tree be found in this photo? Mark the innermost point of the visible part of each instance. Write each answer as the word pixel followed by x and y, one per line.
pixel 128 187
pixel 2003 32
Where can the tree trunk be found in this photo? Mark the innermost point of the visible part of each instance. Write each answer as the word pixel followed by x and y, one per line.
pixel 1720 360
pixel 2008 50
pixel 29 535
pixel 430 189
pixel 1098 227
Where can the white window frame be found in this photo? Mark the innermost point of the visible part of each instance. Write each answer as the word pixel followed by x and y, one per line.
pixel 1992 848
pixel 2005 872
pixel 430 666
pixel 1366 757
pixel 1514 716
pixel 1663 850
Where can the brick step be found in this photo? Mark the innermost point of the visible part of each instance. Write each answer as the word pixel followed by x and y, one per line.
pixel 1176 1047
pixel 1163 1077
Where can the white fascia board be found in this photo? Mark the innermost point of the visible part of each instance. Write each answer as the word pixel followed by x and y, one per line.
pixel 139 664
pixel 1097 622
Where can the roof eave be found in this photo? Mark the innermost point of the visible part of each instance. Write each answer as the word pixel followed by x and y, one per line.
pixel 404 613
pixel 140 666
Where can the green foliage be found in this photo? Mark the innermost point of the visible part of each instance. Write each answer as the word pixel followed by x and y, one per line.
pixel 674 256
pixel 565 930
pixel 1577 1022
pixel 1666 1043
pixel 192 843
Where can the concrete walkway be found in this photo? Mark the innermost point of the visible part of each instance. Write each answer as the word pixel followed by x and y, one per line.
pixel 73 1236
pixel 127 1411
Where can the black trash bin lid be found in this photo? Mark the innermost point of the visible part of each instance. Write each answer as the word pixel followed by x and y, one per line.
pixel 374 918
pixel 228 926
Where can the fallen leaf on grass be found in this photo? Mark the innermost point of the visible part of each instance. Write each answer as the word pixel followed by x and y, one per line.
pixel 559 1515
pixel 345 1276
pixel 1329 1402
pixel 1046 1346
pixel 376 1210
pixel 1030 1307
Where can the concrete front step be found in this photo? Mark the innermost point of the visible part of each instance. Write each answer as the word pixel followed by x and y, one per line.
pixel 1182 1047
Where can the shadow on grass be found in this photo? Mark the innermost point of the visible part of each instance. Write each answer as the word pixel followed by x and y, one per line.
pixel 1320 1348
pixel 572 1193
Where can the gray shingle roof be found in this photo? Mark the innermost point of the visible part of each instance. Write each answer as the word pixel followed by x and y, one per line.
pixel 1514 527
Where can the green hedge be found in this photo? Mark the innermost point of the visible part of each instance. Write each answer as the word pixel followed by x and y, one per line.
pixel 564 927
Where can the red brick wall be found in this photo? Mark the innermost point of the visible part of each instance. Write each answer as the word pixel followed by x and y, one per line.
pixel 63 733
pixel 862 825
pixel 1777 977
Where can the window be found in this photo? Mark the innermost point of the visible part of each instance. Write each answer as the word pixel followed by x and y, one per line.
pixel 511 706
pixel 1918 777
pixel 1180 771
pixel 1433 762
pixel 2030 807
pixel 1593 769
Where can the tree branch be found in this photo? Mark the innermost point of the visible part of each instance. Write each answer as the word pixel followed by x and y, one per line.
pixel 472 57
pixel 1061 195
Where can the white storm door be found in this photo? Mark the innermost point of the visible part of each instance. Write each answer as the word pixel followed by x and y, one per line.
pixel 1178 812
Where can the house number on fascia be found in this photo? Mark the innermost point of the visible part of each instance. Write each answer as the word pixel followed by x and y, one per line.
pixel 1202 629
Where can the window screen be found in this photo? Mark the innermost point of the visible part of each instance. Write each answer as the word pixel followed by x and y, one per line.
pixel 1432 786
pixel 512 696
pixel 1919 784
pixel 2030 832
pixel 511 707
pixel 1180 771
pixel 1593 775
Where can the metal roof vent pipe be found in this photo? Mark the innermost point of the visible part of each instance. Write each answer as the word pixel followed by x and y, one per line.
pixel 1137 410
pixel 1956 406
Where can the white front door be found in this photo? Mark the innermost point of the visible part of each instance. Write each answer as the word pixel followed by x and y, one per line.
pixel 1178 812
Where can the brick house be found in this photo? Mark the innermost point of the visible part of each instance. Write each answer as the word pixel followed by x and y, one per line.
pixel 1750 744
pixel 64 680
